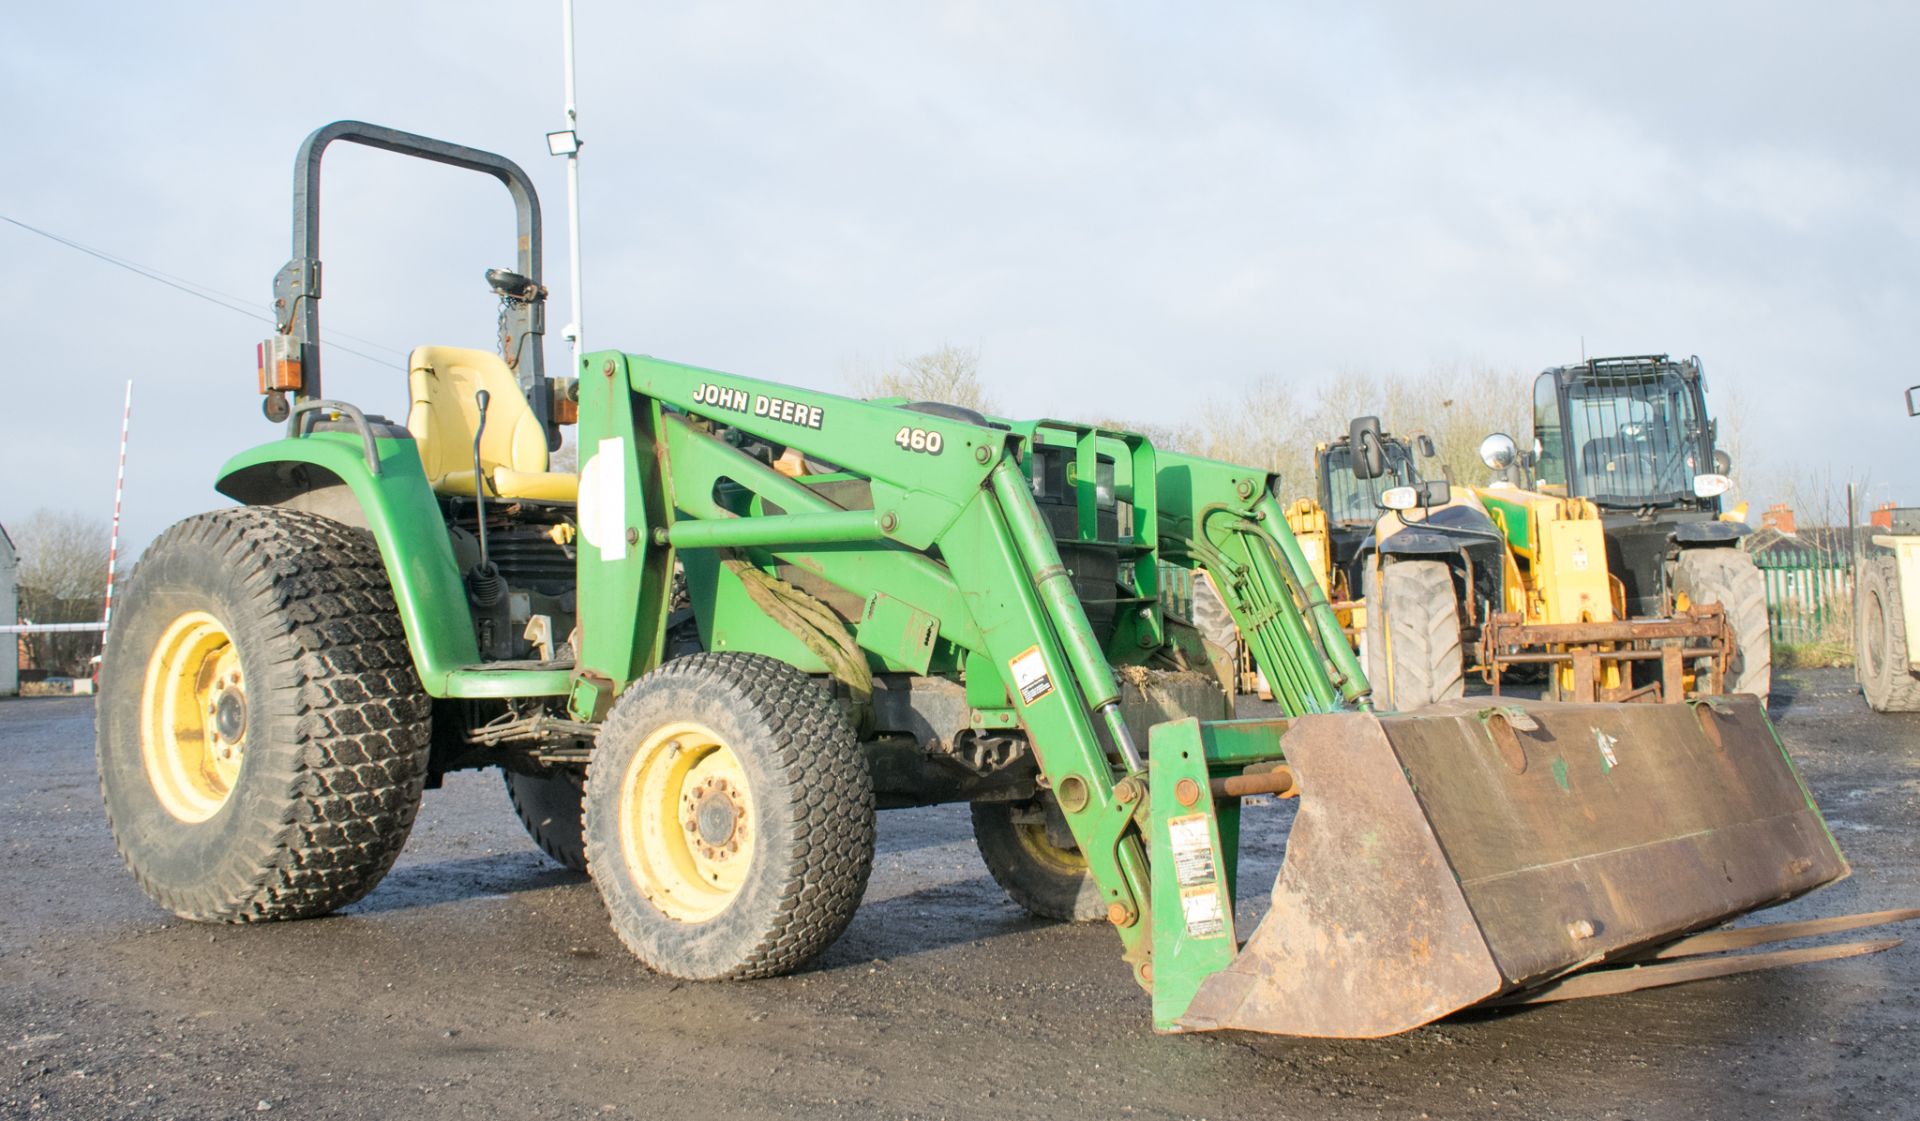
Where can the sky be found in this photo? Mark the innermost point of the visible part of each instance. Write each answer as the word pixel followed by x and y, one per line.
pixel 1127 208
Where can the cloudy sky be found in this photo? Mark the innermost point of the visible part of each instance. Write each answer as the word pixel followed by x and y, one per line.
pixel 1125 207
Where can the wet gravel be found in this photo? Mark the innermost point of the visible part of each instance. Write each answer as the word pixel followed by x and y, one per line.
pixel 481 980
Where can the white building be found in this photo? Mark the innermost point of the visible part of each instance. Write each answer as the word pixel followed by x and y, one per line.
pixel 9 613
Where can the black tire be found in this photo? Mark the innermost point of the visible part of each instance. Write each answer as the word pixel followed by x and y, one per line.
pixel 1880 661
pixel 331 721
pixel 1413 635
pixel 1729 578
pixel 548 804
pixel 805 821
pixel 1046 880
pixel 1215 624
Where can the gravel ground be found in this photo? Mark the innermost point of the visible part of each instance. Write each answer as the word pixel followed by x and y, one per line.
pixel 481 980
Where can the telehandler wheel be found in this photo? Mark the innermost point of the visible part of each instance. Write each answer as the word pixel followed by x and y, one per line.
pixel 262 736
pixel 1215 624
pixel 1413 635
pixel 729 817
pixel 1729 578
pixel 548 804
pixel 1048 881
pixel 1880 639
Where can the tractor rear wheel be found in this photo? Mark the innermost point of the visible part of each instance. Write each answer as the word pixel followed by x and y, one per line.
pixel 262 737
pixel 1880 638
pixel 1019 844
pixel 1413 635
pixel 729 817
pixel 1729 578
pixel 548 804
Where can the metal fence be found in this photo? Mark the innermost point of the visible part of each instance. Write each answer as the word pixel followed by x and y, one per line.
pixel 1809 593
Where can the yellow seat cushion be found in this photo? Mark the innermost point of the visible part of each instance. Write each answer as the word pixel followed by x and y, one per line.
pixel 443 416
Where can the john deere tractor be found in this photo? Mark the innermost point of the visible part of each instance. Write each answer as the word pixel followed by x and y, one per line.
pixel 886 603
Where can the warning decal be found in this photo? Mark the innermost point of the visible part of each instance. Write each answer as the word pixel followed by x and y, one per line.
pixel 1192 850
pixel 1200 906
pixel 1030 675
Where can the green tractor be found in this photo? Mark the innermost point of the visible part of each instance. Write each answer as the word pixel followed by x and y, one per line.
pixel 885 604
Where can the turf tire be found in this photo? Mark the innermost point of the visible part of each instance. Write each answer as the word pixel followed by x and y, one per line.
pixel 1049 884
pixel 813 813
pixel 336 723
pixel 548 805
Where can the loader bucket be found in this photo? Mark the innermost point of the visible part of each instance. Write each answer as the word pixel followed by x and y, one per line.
pixel 1485 847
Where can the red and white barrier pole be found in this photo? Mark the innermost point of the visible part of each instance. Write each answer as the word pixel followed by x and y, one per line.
pixel 119 489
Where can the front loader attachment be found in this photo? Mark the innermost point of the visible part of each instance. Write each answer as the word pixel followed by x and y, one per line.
pixel 1482 849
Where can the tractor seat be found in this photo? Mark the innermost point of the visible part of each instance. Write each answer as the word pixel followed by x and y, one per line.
pixel 513 450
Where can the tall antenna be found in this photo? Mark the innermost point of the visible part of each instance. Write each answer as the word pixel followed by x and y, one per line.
pixel 566 142
pixel 119 489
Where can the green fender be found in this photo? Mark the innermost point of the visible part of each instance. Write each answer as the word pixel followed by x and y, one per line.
pixel 327 473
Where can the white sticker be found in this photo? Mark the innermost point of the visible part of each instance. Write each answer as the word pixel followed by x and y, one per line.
pixel 1606 743
pixel 1579 559
pixel 1030 675
pixel 1200 906
pixel 1192 849
pixel 603 499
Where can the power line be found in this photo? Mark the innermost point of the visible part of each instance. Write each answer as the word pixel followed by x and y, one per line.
pixel 200 291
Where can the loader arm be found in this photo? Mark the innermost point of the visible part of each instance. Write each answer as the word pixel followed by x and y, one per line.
pixel 1223 518
pixel 657 479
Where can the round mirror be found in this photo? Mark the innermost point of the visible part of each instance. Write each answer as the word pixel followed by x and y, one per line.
pixel 1722 462
pixel 1497 451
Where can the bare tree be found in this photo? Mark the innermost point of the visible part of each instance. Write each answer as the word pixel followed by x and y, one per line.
pixel 63 579
pixel 1459 406
pixel 1267 425
pixel 1731 414
pixel 948 374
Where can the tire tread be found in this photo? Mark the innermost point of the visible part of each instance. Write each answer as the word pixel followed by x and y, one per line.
pixel 346 693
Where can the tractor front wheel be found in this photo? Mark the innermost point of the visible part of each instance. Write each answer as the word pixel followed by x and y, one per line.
pixel 262 736
pixel 1413 635
pixel 729 817
pixel 1880 638
pixel 1729 578
pixel 1030 855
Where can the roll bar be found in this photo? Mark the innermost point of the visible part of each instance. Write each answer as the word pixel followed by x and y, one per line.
pixel 296 287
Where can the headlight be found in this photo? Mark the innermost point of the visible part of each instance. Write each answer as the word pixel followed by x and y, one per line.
pixel 1400 498
pixel 1708 486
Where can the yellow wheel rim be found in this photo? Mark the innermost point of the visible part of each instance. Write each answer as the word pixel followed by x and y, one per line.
pixel 193 717
pixel 1033 839
pixel 687 824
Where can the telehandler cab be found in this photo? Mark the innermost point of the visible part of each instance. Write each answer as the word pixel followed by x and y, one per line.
pixel 1367 544
pixel 1632 580
pixel 886 604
